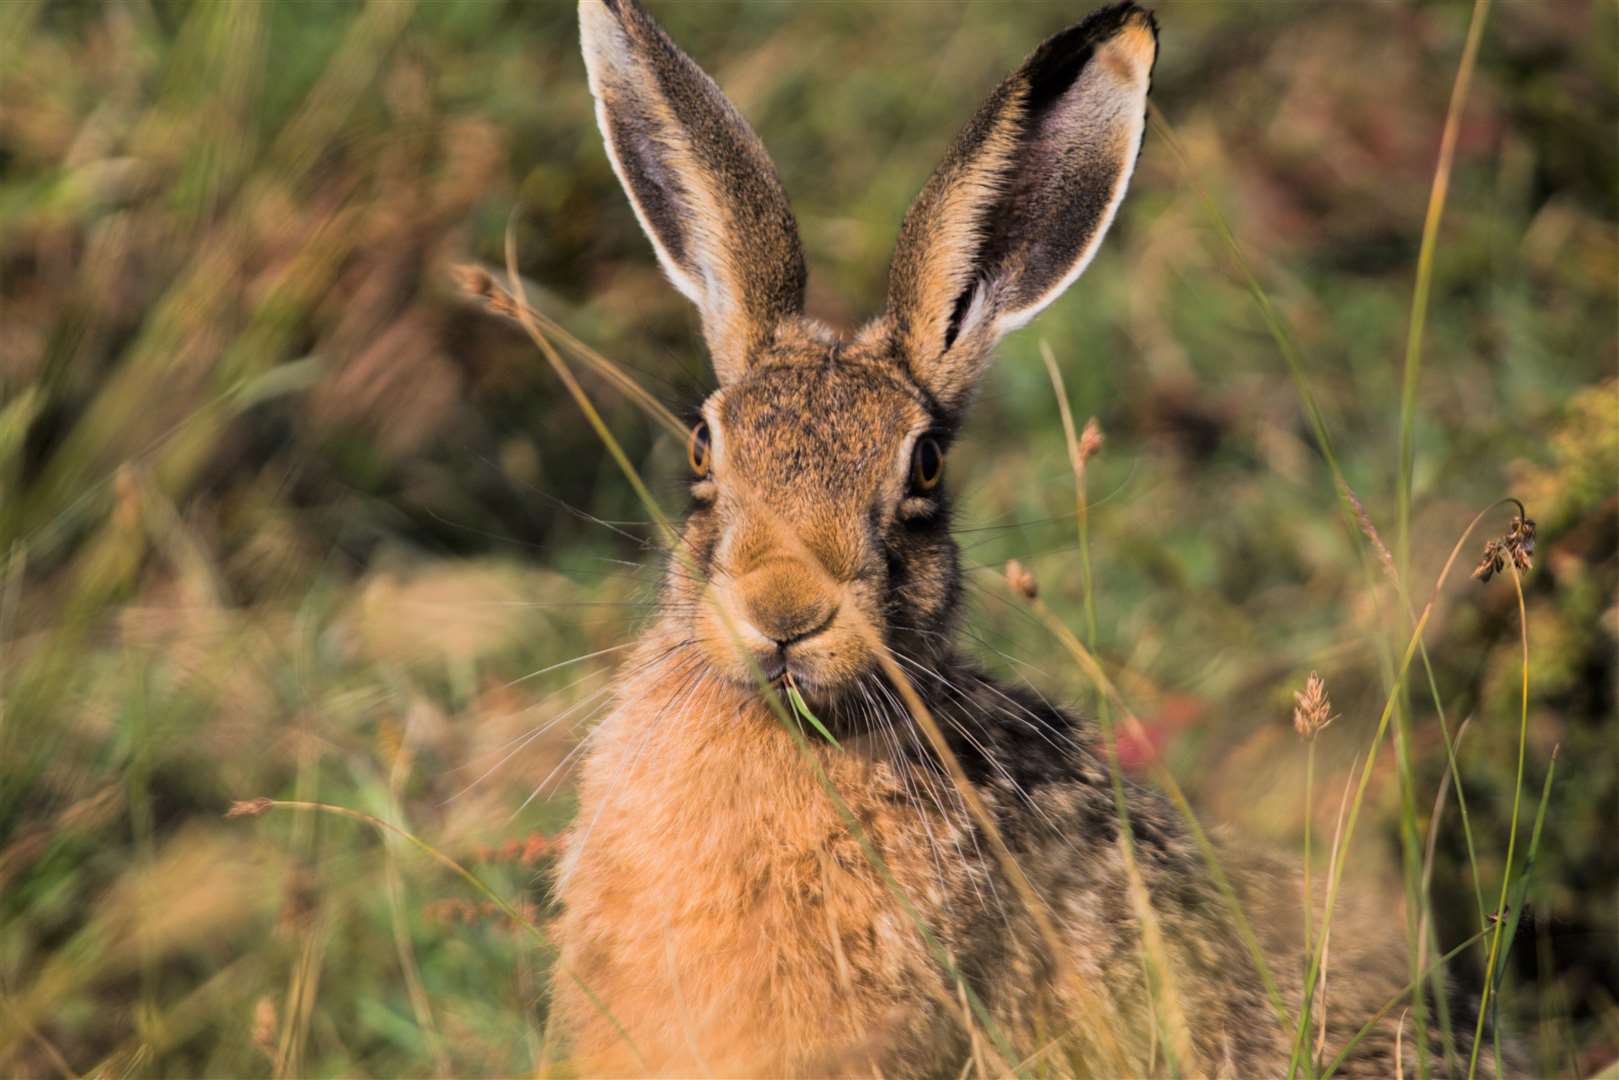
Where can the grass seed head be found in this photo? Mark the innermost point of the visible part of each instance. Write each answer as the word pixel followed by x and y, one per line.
pixel 1312 708
pixel 1369 530
pixel 248 807
pixel 265 1025
pixel 473 280
pixel 1090 440
pixel 1516 546
pixel 1022 580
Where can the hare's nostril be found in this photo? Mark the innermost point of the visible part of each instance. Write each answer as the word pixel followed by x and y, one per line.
pixel 783 642
pixel 782 610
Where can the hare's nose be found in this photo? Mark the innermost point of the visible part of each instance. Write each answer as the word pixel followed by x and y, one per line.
pixel 783 603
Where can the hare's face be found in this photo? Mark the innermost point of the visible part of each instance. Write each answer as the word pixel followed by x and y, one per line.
pixel 818 530
pixel 819 534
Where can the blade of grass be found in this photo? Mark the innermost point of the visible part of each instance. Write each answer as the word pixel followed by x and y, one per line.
pixel 1309 893
pixel 1490 966
pixel 255 807
pixel 1377 739
pixel 1354 515
pixel 1425 931
pixel 1094 671
pixel 1399 996
pixel 1168 1009
pixel 1424 283
pixel 1517 903
pixel 1438 965
pixel 803 710
pixel 1408 402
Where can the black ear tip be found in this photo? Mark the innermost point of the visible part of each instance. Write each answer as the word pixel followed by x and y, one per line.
pixel 1103 23
pixel 1054 66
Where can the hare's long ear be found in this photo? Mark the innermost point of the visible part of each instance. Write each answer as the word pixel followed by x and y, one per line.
pixel 699 180
pixel 1022 200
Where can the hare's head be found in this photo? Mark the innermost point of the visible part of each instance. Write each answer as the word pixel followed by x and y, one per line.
pixel 820 522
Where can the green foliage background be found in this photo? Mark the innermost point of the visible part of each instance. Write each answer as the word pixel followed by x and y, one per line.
pixel 282 514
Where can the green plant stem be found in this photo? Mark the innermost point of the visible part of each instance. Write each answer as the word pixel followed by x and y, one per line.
pixel 1416 898
pixel 1400 996
pixel 1512 833
pixel 1300 1036
pixel 1309 893
pixel 1168 1010
pixel 259 806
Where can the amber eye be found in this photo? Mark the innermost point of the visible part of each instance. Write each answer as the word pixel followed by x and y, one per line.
pixel 698 452
pixel 927 464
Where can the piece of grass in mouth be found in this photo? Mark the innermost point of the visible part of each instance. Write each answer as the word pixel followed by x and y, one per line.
pixel 796 700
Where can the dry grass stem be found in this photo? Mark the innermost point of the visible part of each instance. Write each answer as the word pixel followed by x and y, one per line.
pixel 1320 996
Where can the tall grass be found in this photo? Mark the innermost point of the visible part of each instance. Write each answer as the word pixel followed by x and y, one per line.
pixel 280 516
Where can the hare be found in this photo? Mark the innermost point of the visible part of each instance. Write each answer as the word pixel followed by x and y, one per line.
pixel 722 913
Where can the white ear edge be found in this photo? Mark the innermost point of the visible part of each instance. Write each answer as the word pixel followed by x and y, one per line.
pixel 1134 99
pixel 688 286
pixel 609 59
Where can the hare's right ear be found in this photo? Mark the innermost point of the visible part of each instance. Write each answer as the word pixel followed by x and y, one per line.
pixel 699 181
pixel 1022 200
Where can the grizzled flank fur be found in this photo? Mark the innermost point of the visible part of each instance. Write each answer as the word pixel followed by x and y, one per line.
pixel 714 902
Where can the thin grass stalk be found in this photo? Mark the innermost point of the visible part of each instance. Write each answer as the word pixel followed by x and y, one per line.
pixel 1424 283
pixel 1309 892
pixel 1076 459
pixel 1093 669
pixel 255 807
pixel 1416 897
pixel 603 432
pixel 1387 1006
pixel 1377 739
pixel 1167 1006
pixel 1512 834
pixel 1408 402
pixel 1311 1001
pixel 420 1004
pixel 1348 505
pixel 1522 899
pixel 1425 932
pixel 1438 965
pixel 479 282
pixel 1369 530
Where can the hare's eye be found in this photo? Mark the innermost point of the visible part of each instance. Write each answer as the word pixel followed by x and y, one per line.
pixel 927 464
pixel 698 451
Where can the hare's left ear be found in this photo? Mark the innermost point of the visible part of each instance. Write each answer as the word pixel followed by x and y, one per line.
pixel 699 181
pixel 1022 200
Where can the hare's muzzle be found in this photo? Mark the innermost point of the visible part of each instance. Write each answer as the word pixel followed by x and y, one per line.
pixel 785 618
pixel 784 603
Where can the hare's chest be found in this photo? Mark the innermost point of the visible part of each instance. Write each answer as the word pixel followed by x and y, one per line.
pixel 730 922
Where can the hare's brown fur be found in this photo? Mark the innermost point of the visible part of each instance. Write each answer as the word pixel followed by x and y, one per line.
pixel 721 915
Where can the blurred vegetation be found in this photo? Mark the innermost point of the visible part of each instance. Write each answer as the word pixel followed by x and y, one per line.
pixel 282 514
